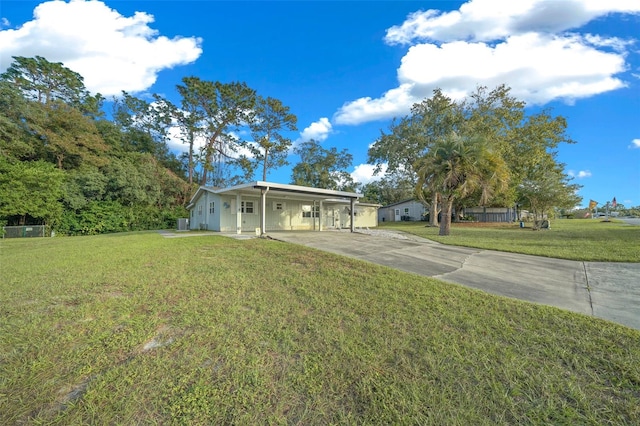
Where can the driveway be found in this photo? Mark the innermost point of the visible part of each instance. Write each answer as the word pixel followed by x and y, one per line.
pixel 605 290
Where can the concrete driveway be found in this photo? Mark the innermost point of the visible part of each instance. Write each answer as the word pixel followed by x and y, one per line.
pixel 605 290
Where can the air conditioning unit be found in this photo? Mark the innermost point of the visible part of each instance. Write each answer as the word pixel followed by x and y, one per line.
pixel 183 225
pixel 203 226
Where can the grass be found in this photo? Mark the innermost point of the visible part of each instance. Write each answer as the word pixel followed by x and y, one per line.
pixel 136 329
pixel 584 240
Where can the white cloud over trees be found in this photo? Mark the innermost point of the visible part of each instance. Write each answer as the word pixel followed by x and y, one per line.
pixel 113 53
pixel 365 173
pixel 318 131
pixel 525 44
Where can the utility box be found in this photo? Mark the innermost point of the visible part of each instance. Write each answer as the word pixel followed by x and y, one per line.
pixel 183 224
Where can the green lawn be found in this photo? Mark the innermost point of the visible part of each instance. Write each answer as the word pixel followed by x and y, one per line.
pixel 137 329
pixel 574 239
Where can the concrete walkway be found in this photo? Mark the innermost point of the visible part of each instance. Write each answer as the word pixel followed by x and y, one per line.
pixel 605 290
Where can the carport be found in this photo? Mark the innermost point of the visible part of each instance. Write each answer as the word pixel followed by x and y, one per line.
pixel 314 194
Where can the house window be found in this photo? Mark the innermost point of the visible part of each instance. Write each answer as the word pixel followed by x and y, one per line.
pixel 310 211
pixel 406 210
pixel 212 207
pixel 200 210
pixel 247 207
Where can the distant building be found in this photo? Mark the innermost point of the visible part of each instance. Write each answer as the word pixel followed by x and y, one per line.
pixel 413 210
pixel 407 210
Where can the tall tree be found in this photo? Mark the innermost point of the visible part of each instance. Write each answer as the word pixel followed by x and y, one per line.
pixel 458 165
pixel 222 107
pixel 270 147
pixel 190 120
pixel 546 186
pixel 17 141
pixel 70 138
pixel 148 125
pixel 322 168
pixel 522 141
pixel 391 188
pixel 56 115
pixel 45 82
pixel 411 138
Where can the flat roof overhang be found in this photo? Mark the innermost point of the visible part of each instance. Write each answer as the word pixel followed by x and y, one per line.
pixel 297 192
pixel 256 188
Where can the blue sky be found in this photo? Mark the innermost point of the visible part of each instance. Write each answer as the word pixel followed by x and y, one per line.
pixel 346 68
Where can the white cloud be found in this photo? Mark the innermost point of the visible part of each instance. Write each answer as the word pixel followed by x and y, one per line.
pixel 486 20
pixel 393 103
pixel 364 173
pixel 493 42
pixel 580 175
pixel 318 131
pixel 635 143
pixel 615 43
pixel 4 22
pixel 112 52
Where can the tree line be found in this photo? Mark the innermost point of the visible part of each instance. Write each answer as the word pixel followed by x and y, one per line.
pixel 65 162
pixel 483 150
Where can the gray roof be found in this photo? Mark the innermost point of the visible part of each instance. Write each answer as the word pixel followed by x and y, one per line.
pixel 302 192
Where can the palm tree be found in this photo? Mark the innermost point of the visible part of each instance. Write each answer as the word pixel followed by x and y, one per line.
pixel 457 166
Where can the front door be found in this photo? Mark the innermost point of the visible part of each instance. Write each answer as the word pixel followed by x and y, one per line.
pixel 398 217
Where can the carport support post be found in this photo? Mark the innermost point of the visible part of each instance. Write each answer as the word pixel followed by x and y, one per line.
pixel 239 214
pixel 320 216
pixel 263 210
pixel 353 214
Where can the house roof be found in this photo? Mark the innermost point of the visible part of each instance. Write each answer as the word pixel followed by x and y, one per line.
pixel 279 189
pixel 408 200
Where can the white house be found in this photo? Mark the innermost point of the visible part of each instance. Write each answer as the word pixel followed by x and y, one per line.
pixel 264 206
pixel 403 210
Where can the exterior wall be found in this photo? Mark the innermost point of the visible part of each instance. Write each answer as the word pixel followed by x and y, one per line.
pixel 408 210
pixel 205 214
pixel 366 217
pixel 281 215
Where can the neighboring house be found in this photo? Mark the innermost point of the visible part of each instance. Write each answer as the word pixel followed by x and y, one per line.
pixel 407 210
pixel 413 210
pixel 285 207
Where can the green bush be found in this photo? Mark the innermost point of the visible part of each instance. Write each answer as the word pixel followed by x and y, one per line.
pixel 110 216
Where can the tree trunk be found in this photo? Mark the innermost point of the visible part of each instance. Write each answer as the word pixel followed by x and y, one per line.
pixel 191 158
pixel 433 210
pixel 208 159
pixel 445 224
pixel 264 166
